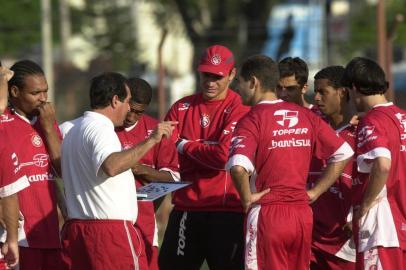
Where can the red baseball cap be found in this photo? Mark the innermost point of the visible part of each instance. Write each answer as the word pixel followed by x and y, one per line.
pixel 216 59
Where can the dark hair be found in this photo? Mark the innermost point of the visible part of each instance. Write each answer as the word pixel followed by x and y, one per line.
pixel 294 67
pixel 23 69
pixel 141 91
pixel 263 68
pixel 366 75
pixel 333 74
pixel 104 87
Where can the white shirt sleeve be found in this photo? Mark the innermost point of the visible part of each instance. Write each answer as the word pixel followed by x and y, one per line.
pixel 240 160
pixel 102 142
pixel 364 161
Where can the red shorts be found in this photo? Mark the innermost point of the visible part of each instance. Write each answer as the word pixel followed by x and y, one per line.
pixel 321 260
pixel 278 236
pixel 146 224
pixel 392 258
pixel 102 244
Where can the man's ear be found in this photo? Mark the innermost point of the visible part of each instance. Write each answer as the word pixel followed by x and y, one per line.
pixel 231 77
pixel 254 82
pixel 114 101
pixel 305 88
pixel 14 91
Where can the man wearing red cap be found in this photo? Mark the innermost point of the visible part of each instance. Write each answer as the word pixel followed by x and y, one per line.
pixel 207 220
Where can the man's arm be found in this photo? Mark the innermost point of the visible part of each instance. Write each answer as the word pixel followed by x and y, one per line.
pixel 149 174
pixel 5 76
pixel 53 141
pixel 328 178
pixel 119 162
pixel 213 155
pixel 10 215
pixel 241 182
pixel 377 180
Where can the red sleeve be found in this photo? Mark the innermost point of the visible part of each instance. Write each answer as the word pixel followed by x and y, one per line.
pixel 11 178
pixel 327 141
pixel 166 156
pixel 215 156
pixel 372 142
pixel 244 144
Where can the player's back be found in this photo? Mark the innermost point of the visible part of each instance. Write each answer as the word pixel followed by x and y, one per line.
pixel 287 137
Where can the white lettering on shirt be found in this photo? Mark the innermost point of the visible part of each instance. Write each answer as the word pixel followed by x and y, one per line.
pixel 290 131
pixel 290 143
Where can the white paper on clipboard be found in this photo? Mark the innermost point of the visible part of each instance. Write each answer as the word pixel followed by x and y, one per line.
pixel 155 190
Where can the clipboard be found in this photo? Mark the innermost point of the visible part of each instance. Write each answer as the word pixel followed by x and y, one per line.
pixel 155 190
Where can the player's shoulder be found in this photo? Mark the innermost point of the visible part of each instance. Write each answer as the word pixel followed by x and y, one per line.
pixel 149 120
pixel 8 117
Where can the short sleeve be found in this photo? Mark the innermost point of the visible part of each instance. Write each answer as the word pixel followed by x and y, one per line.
pixel 101 142
pixel 372 142
pixel 11 178
pixel 244 144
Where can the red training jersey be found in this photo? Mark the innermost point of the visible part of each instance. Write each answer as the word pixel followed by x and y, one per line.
pixel 275 141
pixel 38 201
pixel 207 126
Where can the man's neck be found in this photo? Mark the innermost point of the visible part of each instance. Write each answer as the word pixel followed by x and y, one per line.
pixel 372 101
pixel 343 117
pixel 266 96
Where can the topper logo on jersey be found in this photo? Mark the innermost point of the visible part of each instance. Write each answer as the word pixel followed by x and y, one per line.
pixel 204 120
pixel 289 118
pixel 36 140
pixel 402 119
pixel 5 118
pixel 216 60
pixel 39 160
pixel 127 145
pixel 364 135
pixel 232 127
pixel 14 159
pixel 184 106
pixel 236 143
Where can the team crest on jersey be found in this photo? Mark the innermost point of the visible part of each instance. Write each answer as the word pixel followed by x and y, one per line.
pixel 184 106
pixel 289 118
pixel 216 60
pixel 204 120
pixel 36 140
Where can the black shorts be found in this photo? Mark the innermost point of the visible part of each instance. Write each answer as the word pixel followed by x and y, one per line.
pixel 192 237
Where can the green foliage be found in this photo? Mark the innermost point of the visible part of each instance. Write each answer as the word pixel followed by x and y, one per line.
pixel 19 25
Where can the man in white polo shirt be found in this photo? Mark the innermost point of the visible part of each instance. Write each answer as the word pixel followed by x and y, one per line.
pixel 99 185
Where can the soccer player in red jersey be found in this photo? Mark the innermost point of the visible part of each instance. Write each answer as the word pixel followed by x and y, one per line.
pixel 11 181
pixel 207 220
pixel 379 194
pixel 31 121
pixel 159 164
pixel 272 147
pixel 332 244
